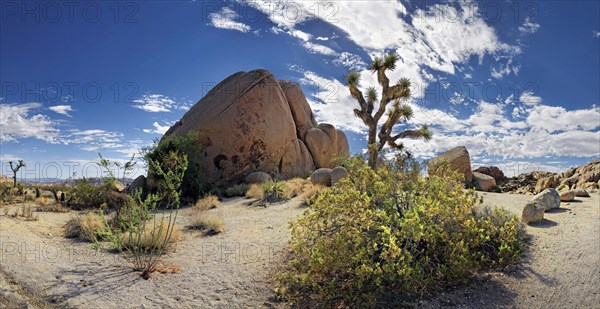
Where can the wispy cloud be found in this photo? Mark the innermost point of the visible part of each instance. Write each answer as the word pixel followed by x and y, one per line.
pixel 226 19
pixel 529 26
pixel 158 129
pixel 529 98
pixel 156 103
pixel 21 121
pixel 62 109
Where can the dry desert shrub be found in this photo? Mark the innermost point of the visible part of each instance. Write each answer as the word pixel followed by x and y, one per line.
pixel 154 237
pixel 89 227
pixel 255 192
pixel 56 207
pixel 211 224
pixel 236 190
pixel 294 187
pixel 5 211
pixel 309 191
pixel 27 214
pixel 209 201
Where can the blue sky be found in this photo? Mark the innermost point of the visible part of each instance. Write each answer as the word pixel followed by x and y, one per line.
pixel 516 82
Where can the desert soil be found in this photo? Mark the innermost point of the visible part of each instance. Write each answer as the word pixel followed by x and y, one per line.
pixel 40 268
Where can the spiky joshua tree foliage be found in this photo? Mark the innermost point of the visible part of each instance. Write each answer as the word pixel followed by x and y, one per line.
pixel 372 115
pixel 15 169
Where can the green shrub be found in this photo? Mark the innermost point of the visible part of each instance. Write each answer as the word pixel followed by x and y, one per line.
pixel 379 238
pixel 192 187
pixel 274 192
pixel 87 195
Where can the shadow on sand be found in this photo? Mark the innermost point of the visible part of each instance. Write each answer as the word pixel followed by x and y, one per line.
pixel 546 223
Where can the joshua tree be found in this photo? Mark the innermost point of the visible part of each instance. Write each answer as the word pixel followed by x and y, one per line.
pixel 15 169
pixel 398 111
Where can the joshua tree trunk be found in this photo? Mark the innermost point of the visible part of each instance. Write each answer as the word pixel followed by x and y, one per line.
pixel 15 169
pixel 371 116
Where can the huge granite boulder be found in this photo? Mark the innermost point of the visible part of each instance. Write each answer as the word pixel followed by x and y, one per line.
pixel 252 122
pixel 459 160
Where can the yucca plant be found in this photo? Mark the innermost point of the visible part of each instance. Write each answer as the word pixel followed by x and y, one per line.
pixel 372 117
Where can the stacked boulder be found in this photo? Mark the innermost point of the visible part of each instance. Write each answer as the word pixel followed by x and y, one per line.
pixel 251 122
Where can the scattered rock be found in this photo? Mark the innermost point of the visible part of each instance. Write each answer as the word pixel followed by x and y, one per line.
pixel 483 182
pixel 258 177
pixel 139 182
pixel 533 212
pixel 549 198
pixel 493 171
pixel 321 176
pixel 567 196
pixel 459 160
pixel 337 174
pixel 581 193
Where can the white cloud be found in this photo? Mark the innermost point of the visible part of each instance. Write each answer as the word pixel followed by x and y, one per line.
pixel 226 19
pixel 94 140
pixel 156 103
pixel 158 129
pixel 61 109
pixel 350 61
pixel 529 27
pixel 320 38
pixel 556 118
pixel 597 34
pixel 529 98
pixel 17 122
pixel 318 49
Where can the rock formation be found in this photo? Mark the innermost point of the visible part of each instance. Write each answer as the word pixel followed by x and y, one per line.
pixel 492 171
pixel 251 122
pixel 459 160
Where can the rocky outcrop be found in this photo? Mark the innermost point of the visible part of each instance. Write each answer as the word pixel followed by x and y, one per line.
pixel 583 177
pixel 483 182
pixel 252 122
pixel 459 160
pixel 549 198
pixel 493 171
pixel 533 212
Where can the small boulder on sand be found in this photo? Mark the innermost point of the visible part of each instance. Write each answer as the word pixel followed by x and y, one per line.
pixel 337 174
pixel 533 212
pixel 321 176
pixel 549 198
pixel 567 196
pixel 581 193
pixel 258 177
pixel 483 182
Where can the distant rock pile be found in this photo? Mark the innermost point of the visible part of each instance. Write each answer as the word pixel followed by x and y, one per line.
pixel 251 122
pixel 583 177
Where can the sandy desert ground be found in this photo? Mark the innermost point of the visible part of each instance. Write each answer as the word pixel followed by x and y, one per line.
pixel 41 269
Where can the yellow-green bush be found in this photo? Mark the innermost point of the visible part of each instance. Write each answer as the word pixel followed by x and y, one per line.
pixel 378 238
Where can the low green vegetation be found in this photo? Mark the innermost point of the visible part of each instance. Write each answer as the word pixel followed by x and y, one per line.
pixel 192 186
pixel 380 238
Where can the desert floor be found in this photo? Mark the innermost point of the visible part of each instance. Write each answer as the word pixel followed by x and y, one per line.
pixel 235 269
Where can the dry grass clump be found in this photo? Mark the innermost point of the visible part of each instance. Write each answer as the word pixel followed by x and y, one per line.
pixel 56 207
pixel 153 237
pixel 211 224
pixel 294 187
pixel 310 191
pixel 27 214
pixel 89 227
pixel 209 201
pixel 44 201
pixel 236 190
pixel 255 192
